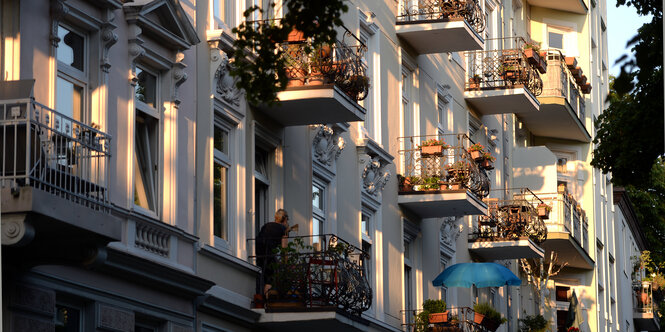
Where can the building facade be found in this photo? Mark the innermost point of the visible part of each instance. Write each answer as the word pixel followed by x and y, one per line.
pixel 136 177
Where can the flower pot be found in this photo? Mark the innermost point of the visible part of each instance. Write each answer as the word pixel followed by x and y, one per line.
pixel 259 301
pixel 534 59
pixel 586 88
pixel 490 325
pixel 581 80
pixel 486 164
pixel 456 186
pixel 543 213
pixel 478 318
pixel 295 76
pixel 476 155
pixel 432 150
pixel 438 317
pixel 571 62
pixel 474 83
pixel 295 35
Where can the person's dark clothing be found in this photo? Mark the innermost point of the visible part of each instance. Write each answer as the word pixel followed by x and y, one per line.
pixel 269 238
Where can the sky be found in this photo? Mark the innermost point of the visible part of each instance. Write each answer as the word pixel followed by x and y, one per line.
pixel 622 25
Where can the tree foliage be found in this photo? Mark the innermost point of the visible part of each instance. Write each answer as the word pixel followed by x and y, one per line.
pixel 630 132
pixel 258 61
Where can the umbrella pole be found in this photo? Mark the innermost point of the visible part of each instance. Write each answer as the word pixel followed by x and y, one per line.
pixel 507 290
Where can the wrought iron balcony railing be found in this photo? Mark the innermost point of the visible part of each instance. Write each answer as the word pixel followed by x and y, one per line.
pixel 53 152
pixel 502 69
pixel 458 319
pixel 440 10
pixel 521 215
pixel 643 297
pixel 560 82
pixel 321 271
pixel 567 216
pixel 451 167
pixel 341 64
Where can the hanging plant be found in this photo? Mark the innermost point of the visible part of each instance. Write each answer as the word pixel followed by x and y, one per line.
pixel 258 58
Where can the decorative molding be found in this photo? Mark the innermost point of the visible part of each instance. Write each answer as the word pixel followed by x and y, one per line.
pixel 179 76
pixel 15 230
pixel 152 239
pixel 450 232
pixel 367 21
pixel 411 230
pixel 58 11
pixel 327 144
pixel 113 319
pixel 135 48
pixel 108 38
pixel 374 176
pixel 226 84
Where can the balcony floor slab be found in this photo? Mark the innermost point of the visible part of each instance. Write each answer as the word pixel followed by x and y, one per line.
pixel 556 119
pixel 439 36
pixel 308 105
pixel 320 321
pixel 573 6
pixel 568 250
pixel 506 249
pixel 441 204
pixel 646 321
pixel 518 100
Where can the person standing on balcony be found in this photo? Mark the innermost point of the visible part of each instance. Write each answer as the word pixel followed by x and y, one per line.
pixel 271 236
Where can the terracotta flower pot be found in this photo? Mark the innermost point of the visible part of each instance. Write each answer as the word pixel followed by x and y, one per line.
pixel 543 213
pixel 438 317
pixel 436 150
pixel 486 164
pixel 476 155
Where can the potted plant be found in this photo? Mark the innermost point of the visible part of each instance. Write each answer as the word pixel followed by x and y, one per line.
pixel 531 51
pixel 474 82
pixel 436 311
pixel 487 316
pixel 458 174
pixel 573 329
pixel 289 276
pixel 487 161
pixel 476 151
pixel 432 147
pixel 406 183
pixel 535 323
pixel 586 88
pixel 508 71
pixel 431 183
pixel 544 210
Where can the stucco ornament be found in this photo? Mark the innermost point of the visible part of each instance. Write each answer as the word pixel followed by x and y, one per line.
pixel 327 145
pixel 450 231
pixel 226 84
pixel 375 177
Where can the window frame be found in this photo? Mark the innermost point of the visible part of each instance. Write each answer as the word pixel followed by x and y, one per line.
pixel 153 112
pixel 319 214
pixel 73 75
pixel 224 159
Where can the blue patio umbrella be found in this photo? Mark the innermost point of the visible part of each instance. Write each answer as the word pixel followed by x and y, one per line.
pixel 480 274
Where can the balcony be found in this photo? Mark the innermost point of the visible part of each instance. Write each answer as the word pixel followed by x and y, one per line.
pixel 513 228
pixel 572 6
pixel 433 26
pixel 324 86
pixel 320 285
pixel 502 81
pixel 53 177
pixel 645 310
pixel 562 106
pixel 567 229
pixel 443 182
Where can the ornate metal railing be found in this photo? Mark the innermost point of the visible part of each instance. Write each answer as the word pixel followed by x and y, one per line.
pixel 643 297
pixel 452 168
pixel 567 216
pixel 415 11
pixel 340 64
pixel 459 319
pixel 512 218
pixel 560 82
pixel 53 152
pixel 321 271
pixel 504 68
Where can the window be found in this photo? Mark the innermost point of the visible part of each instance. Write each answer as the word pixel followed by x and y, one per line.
pixel 562 38
pixel 555 39
pixel 407 108
pixel 318 209
pixel 408 285
pixel 67 318
pixel 146 142
pixel 222 14
pixel 221 166
pixel 367 227
pixel 261 186
pixel 367 102
pixel 72 76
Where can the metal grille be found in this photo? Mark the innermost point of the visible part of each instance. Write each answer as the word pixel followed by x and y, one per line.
pixel 442 10
pixel 326 273
pixel 505 68
pixel 453 166
pixel 567 216
pixel 52 152
pixel 511 219
pixel 340 64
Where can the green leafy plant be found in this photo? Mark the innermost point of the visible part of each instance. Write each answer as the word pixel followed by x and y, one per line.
pixel 546 206
pixel 429 307
pixel 535 323
pixel 532 45
pixel 290 269
pixel 430 183
pixel 476 147
pixel 258 61
pixel 488 311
